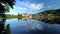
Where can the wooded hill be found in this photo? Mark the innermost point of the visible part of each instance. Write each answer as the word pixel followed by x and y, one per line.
pixel 55 12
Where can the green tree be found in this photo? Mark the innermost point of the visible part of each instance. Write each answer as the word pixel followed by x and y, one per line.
pixel 5 4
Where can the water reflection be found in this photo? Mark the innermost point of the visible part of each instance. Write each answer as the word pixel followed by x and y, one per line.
pixel 24 19
pixel 23 26
pixel 8 29
pixel 51 20
pixel 3 29
pixel 32 27
pixel 29 26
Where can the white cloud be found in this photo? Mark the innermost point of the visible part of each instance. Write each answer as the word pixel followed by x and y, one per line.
pixel 33 6
pixel 36 6
pixel 12 13
pixel 20 8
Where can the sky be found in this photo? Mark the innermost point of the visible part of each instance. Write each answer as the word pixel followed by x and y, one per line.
pixel 33 6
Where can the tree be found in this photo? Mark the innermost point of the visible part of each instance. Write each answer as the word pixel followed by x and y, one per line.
pixel 4 4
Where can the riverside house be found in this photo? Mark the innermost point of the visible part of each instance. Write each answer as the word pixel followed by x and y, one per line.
pixel 30 16
pixel 26 16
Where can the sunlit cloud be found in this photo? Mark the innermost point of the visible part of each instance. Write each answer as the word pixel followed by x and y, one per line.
pixel 36 6
pixel 20 8
pixel 33 6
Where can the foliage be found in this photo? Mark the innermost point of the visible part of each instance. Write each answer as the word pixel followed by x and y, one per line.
pixel 19 16
pixel 52 11
pixel 35 16
pixel 10 16
pixel 4 5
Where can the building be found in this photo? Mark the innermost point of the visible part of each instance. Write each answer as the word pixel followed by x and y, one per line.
pixel 30 16
pixel 24 16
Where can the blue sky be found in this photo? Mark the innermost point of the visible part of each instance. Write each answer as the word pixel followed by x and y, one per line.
pixel 33 6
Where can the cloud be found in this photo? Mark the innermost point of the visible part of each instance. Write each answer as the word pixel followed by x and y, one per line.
pixel 12 13
pixel 33 6
pixel 20 8
pixel 36 6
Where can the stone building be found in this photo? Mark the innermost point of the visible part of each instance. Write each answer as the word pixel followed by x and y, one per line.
pixel 26 16
pixel 30 16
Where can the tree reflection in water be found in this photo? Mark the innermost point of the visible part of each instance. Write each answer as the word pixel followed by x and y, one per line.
pixel 51 21
pixel 4 30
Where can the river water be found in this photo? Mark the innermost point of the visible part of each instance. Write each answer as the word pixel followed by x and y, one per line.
pixel 31 27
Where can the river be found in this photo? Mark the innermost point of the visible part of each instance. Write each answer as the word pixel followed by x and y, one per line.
pixel 31 27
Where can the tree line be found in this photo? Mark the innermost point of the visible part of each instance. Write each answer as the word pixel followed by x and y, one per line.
pixel 55 12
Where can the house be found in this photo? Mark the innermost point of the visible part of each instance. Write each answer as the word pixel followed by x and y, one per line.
pixel 30 16
pixel 24 16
